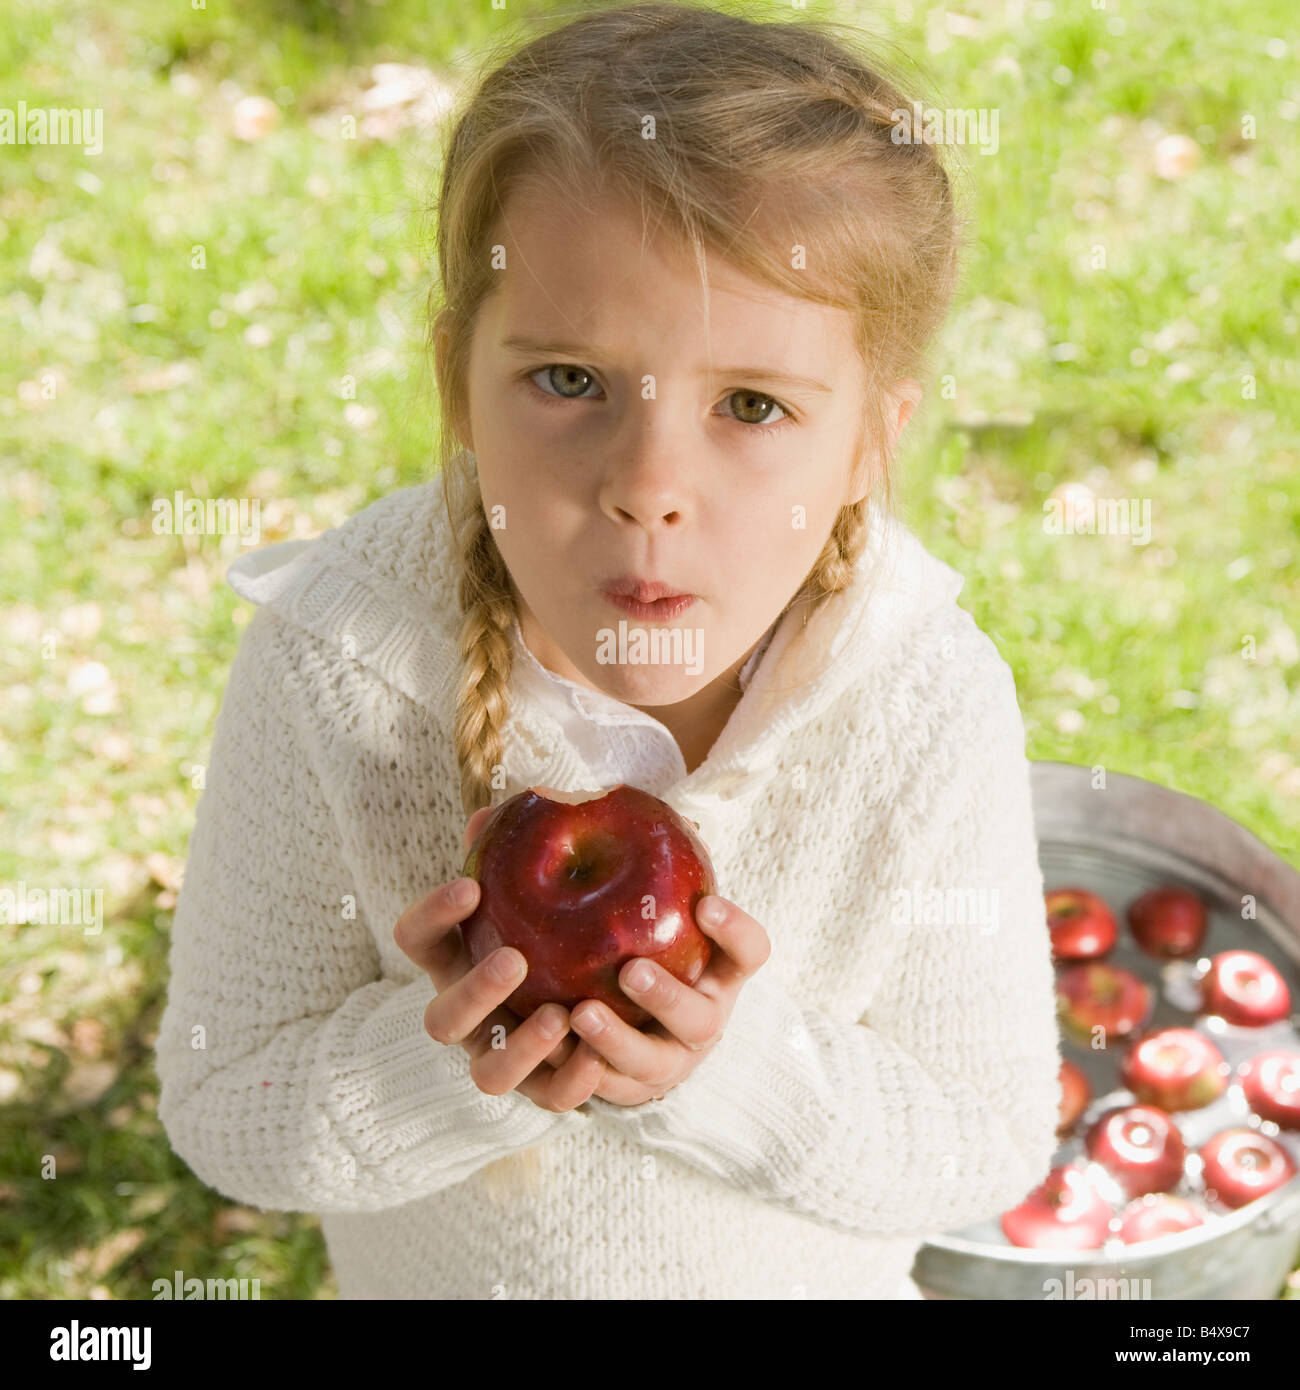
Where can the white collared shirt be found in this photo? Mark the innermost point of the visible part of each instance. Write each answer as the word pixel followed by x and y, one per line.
pixel 618 741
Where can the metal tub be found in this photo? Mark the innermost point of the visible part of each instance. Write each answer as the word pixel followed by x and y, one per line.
pixel 1118 841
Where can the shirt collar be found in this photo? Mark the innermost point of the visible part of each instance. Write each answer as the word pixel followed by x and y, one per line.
pixel 595 704
pixel 385 583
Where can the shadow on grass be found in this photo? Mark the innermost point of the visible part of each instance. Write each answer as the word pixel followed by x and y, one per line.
pixel 121 1210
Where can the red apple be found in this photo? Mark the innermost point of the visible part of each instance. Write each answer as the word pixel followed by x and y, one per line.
pixel 1168 922
pixel 1271 1084
pixel 1065 1212
pixel 1094 995
pixel 581 887
pixel 1140 1147
pixel 1081 925
pixel 1157 1215
pixel 1176 1069
pixel 1075 1095
pixel 1242 1164
pixel 1244 988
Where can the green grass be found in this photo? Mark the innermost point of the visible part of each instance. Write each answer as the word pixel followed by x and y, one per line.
pixel 1127 378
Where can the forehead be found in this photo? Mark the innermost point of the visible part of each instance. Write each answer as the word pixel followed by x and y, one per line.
pixel 594 270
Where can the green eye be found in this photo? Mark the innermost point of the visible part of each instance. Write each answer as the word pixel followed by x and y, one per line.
pixel 561 375
pixel 566 381
pixel 765 403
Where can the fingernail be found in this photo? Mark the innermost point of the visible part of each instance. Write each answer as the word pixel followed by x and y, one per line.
pixel 462 892
pixel 506 964
pixel 550 1022
pixel 640 976
pixel 711 911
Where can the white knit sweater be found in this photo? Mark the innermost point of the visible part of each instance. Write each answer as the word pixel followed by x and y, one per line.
pixel 889 1073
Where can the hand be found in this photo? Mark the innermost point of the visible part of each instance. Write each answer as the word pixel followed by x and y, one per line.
pixel 469 1008
pixel 647 1062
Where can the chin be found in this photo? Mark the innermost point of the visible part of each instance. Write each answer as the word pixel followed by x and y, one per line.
pixel 647 685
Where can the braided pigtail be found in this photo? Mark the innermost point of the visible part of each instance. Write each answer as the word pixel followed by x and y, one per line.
pixel 487 606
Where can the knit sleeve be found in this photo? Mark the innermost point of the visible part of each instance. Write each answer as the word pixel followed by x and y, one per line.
pixel 938 1108
pixel 293 1076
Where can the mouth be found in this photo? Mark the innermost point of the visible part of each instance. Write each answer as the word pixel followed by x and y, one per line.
pixel 650 600
pixel 659 610
pixel 643 590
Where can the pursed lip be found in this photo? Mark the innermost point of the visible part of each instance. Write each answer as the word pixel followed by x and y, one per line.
pixel 642 590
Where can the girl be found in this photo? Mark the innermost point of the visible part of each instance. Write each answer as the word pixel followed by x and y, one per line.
pixel 688 275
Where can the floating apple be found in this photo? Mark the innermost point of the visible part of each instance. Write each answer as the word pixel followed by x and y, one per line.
pixel 1157 1215
pixel 1075 1095
pixel 1244 988
pixel 1168 922
pixel 1242 1164
pixel 581 887
pixel 1081 925
pixel 1139 1146
pixel 1176 1069
pixel 1270 1082
pixel 1101 996
pixel 1065 1212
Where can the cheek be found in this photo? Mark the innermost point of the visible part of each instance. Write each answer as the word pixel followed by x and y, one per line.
pixel 780 522
pixel 534 523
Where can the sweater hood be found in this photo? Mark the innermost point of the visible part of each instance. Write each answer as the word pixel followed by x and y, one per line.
pixel 382 590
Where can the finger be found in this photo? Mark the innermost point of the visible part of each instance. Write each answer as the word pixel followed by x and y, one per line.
pixel 567 1047
pixel 499 1064
pixel 622 1090
pixel 457 1011
pixel 426 931
pixel 474 826
pixel 568 1087
pixel 643 1058
pixel 744 946
pixel 563 1050
pixel 576 1081
pixel 691 1018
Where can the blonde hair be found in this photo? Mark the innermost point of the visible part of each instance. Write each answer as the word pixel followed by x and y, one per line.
pixel 768 135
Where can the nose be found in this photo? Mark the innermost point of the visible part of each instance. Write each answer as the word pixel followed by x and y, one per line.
pixel 646 481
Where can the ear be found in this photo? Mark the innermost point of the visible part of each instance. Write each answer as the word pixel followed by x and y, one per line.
pixel 907 396
pixel 903 400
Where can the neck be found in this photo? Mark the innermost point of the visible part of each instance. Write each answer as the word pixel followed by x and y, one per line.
pixel 695 723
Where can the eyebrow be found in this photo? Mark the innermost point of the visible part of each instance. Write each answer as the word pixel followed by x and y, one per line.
pixel 577 352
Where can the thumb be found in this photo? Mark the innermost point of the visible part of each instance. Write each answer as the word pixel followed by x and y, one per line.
pixel 475 825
